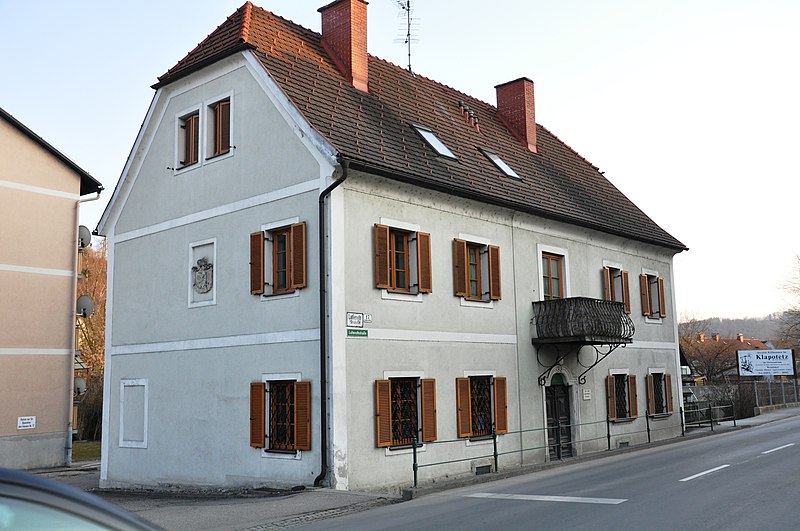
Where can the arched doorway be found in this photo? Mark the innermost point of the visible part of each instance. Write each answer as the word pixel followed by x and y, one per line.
pixel 559 422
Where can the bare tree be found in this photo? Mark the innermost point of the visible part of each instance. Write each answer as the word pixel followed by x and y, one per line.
pixel 790 319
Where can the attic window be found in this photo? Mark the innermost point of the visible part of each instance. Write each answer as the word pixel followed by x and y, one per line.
pixel 500 163
pixel 433 141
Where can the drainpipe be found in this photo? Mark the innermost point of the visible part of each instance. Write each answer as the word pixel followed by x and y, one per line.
pixel 73 330
pixel 323 352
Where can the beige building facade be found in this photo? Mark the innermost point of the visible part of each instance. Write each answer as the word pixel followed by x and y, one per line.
pixel 40 196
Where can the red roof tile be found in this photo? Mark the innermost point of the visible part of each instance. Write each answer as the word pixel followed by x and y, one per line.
pixel 374 130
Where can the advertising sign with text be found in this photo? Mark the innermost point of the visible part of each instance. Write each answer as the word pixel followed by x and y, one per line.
pixel 765 362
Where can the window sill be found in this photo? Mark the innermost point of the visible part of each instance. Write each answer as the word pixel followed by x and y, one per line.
pixel 220 156
pixel 404 296
pixel 280 296
pixel 470 303
pixel 201 304
pixel 295 455
pixel 403 450
pixel 478 441
pixel 182 169
pixel 660 416
pixel 653 320
pixel 623 421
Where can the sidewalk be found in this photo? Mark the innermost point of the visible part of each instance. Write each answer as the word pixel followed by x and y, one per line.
pixel 261 510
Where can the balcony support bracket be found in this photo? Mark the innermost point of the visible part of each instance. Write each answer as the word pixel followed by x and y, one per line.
pixel 601 353
pixel 560 357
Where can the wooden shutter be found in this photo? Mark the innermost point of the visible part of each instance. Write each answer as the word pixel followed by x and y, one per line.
pixel 651 402
pixel 298 238
pixel 257 414
pixel 302 415
pixel 428 409
pixel 495 291
pixel 644 289
pixel 424 270
pixel 500 406
pixel 380 239
pixel 257 263
pixel 626 291
pixel 606 283
pixel 662 302
pixel 463 408
pixel 460 269
pixel 223 115
pixel 633 397
pixel 611 398
pixel 668 391
pixel 383 413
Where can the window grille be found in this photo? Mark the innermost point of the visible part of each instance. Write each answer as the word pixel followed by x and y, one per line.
pixel 621 393
pixel 281 429
pixel 481 394
pixel 404 411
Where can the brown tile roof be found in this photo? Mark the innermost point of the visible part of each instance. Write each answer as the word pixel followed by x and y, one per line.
pixel 373 130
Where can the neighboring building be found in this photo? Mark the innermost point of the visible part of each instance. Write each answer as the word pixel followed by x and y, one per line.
pixel 319 251
pixel 713 358
pixel 40 194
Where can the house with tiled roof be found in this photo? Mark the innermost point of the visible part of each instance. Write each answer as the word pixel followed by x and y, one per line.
pixel 715 358
pixel 322 264
pixel 41 191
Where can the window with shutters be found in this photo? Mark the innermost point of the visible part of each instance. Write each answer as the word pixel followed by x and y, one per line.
pixel 653 298
pixel 188 140
pixel 280 414
pixel 476 269
pixel 402 259
pixel 552 276
pixel 405 408
pixel 616 285
pixel 659 393
pixel 219 133
pixel 278 258
pixel 621 396
pixel 481 404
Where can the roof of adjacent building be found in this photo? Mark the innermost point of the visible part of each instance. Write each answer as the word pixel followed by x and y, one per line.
pixel 714 343
pixel 89 184
pixel 374 130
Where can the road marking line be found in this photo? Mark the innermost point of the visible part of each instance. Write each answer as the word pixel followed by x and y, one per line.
pixel 778 448
pixel 706 472
pixel 533 497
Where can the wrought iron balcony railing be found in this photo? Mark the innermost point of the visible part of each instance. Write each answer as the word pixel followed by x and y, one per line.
pixel 581 320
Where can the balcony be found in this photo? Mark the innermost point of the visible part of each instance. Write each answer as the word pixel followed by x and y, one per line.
pixel 581 320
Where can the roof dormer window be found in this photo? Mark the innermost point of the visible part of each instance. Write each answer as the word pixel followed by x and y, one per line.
pixel 500 163
pixel 434 142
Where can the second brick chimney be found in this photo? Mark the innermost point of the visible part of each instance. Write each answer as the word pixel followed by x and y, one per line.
pixel 344 37
pixel 515 107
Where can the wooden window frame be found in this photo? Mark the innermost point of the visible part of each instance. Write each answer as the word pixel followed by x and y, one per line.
pixel 220 127
pixel 262 416
pixel 190 139
pixel 651 288
pixel 296 274
pixel 278 287
pixel 547 279
pixel 465 406
pixel 488 279
pixel 630 395
pixel 473 249
pixel 666 382
pixel 403 251
pixel 425 408
pixel 610 275
pixel 417 263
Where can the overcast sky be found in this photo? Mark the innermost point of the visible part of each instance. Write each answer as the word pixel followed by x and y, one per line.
pixel 691 108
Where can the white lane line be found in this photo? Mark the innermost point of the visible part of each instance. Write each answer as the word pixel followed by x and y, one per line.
pixel 706 472
pixel 532 497
pixel 778 448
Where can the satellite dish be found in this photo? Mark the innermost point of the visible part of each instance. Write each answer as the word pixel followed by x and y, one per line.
pixel 84 237
pixel 84 306
pixel 80 386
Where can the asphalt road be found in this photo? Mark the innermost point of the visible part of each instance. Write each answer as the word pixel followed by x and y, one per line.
pixel 746 479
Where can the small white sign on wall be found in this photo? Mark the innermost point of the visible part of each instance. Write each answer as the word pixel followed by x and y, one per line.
pixel 355 319
pixel 587 393
pixel 26 423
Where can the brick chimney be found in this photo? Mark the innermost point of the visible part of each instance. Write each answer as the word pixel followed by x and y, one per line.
pixel 716 337
pixel 701 336
pixel 740 337
pixel 344 37
pixel 516 109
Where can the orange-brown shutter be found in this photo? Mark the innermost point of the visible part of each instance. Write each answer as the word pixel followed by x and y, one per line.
pixel 651 403
pixel 633 397
pixel 302 415
pixel 500 406
pixel 424 270
pixel 257 263
pixel 606 283
pixel 611 398
pixel 495 291
pixel 644 289
pixel 460 267
pixel 383 413
pixel 257 414
pixel 224 126
pixel 463 408
pixel 380 238
pixel 668 388
pixel 662 302
pixel 298 237
pixel 626 291
pixel 428 409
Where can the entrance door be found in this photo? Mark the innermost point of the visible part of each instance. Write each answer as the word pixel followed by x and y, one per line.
pixel 557 398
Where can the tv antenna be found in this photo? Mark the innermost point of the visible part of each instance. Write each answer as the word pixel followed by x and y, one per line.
pixel 407 11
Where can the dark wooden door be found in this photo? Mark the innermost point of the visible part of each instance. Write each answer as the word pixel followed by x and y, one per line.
pixel 557 397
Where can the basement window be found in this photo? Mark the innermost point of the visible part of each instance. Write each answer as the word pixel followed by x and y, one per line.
pixel 434 142
pixel 500 163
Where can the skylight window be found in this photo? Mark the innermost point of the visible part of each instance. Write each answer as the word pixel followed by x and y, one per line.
pixel 434 142
pixel 500 163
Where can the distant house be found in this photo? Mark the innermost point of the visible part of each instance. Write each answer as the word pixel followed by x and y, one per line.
pixel 40 194
pixel 714 358
pixel 317 258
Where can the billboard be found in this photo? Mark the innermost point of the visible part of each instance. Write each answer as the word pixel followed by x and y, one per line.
pixel 765 362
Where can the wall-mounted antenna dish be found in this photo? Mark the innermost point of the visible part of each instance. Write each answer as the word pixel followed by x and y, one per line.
pixel 84 307
pixel 84 237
